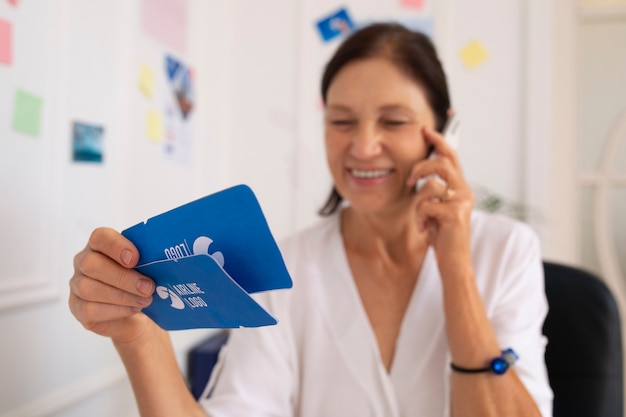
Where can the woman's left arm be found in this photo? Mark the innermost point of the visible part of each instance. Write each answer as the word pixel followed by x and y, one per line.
pixel 444 211
pixel 473 344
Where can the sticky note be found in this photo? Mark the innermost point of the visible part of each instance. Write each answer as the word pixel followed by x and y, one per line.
pixel 473 54
pixel 154 126
pixel 337 24
pixel 146 81
pixel 6 42
pixel 412 4
pixel 166 22
pixel 27 113
pixel 14 2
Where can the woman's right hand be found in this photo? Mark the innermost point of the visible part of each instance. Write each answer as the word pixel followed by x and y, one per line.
pixel 106 293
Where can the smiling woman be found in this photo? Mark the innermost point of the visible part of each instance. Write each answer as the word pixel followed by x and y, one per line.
pixel 402 299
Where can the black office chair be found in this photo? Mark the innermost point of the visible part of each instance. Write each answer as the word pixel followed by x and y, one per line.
pixel 584 352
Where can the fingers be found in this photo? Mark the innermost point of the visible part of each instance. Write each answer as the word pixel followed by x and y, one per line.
pixel 444 165
pixel 443 204
pixel 100 267
pixel 441 146
pixel 92 315
pixel 440 169
pixel 112 244
pixel 89 289
pixel 105 287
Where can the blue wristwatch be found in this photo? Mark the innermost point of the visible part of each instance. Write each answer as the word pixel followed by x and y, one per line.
pixel 498 365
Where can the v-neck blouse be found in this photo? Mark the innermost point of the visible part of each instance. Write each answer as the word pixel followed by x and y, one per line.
pixel 322 359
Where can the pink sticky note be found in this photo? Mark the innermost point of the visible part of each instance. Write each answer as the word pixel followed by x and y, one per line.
pixel 13 2
pixel 6 42
pixel 412 4
pixel 166 21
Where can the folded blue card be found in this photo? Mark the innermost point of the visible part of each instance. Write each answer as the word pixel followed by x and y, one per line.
pixel 205 258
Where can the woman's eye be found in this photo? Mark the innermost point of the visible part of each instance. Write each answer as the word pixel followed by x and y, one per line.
pixel 341 122
pixel 393 123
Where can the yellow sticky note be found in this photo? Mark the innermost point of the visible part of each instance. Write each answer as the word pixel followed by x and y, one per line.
pixel 146 81
pixel 473 54
pixel 154 126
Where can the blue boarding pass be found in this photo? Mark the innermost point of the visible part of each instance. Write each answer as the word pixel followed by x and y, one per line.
pixel 206 258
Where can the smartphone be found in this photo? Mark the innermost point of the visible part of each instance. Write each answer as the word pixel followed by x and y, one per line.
pixel 451 136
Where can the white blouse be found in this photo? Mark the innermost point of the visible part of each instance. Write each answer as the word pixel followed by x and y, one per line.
pixel 322 358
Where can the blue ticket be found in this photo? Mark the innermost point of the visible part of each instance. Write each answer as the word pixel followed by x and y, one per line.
pixel 206 257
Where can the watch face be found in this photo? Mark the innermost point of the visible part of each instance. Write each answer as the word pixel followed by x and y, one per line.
pixel 499 366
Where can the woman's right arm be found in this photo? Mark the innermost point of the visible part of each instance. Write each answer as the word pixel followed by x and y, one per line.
pixel 106 297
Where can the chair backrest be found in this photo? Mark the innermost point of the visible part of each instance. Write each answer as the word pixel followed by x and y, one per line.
pixel 201 360
pixel 584 352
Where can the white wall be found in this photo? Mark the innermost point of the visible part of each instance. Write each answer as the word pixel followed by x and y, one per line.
pixel 83 60
pixel 256 122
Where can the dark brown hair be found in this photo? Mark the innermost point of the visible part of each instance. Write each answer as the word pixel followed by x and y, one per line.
pixel 412 52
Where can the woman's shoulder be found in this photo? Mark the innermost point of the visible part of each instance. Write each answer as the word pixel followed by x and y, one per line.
pixel 501 235
pixel 495 226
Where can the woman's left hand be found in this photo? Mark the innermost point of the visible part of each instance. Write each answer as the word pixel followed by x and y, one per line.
pixel 444 208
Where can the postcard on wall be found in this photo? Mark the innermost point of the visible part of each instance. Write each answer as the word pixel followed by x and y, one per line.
pixel 178 114
pixel 87 142
pixel 335 25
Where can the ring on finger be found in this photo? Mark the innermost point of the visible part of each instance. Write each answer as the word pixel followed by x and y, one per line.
pixel 448 194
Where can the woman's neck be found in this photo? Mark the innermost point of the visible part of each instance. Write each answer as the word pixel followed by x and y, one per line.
pixel 389 235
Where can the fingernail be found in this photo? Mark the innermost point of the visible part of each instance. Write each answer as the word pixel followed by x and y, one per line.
pixel 144 301
pixel 127 256
pixel 144 286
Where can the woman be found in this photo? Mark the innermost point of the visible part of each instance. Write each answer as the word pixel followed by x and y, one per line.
pixel 401 299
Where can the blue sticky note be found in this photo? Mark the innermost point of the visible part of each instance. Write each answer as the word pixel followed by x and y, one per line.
pixel 335 25
pixel 206 257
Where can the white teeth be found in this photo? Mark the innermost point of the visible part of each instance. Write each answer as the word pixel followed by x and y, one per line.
pixel 374 173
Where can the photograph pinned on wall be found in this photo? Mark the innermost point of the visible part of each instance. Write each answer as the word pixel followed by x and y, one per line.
pixel 335 25
pixel 179 105
pixel 87 143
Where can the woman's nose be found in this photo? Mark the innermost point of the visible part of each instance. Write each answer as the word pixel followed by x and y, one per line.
pixel 366 142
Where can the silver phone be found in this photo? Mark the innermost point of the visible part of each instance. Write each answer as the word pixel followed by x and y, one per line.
pixel 451 136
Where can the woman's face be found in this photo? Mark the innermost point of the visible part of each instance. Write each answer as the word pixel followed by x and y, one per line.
pixel 374 117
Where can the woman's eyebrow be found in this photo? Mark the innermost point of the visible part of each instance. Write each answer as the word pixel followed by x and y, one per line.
pixel 338 107
pixel 396 107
